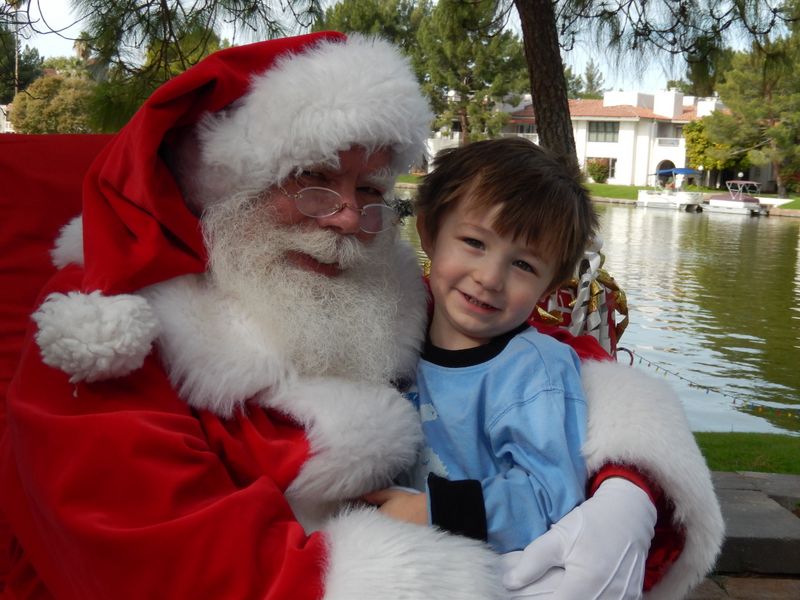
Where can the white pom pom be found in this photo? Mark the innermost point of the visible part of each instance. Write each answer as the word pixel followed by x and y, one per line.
pixel 92 337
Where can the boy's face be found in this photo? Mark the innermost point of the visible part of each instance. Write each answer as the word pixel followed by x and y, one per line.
pixel 483 284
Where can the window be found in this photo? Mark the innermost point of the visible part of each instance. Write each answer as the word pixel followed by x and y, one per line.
pixel 669 130
pixel 603 131
pixel 524 128
pixel 665 130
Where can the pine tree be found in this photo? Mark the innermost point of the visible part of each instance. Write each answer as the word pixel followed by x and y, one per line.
pixel 471 63
pixel 593 81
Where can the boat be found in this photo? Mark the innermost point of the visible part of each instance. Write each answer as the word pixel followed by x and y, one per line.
pixel 669 197
pixel 739 200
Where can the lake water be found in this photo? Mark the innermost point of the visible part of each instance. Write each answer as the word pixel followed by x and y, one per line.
pixel 714 305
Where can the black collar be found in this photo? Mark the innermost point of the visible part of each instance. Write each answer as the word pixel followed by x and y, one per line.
pixel 469 356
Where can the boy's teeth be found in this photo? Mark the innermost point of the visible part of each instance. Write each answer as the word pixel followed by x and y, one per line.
pixel 478 302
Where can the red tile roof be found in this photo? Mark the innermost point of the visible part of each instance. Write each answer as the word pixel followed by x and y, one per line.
pixel 594 108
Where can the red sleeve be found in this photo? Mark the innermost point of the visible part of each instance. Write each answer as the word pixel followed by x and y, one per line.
pixel 119 490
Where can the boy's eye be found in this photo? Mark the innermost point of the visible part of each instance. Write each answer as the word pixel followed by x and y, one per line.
pixel 473 242
pixel 525 266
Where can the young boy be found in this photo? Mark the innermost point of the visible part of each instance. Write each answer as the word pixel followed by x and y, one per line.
pixel 502 407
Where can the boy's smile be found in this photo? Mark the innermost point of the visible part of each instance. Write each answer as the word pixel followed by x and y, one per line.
pixel 483 284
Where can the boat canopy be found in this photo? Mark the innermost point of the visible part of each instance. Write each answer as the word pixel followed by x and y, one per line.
pixel 678 171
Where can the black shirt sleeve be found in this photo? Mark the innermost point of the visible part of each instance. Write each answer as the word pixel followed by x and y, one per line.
pixel 458 506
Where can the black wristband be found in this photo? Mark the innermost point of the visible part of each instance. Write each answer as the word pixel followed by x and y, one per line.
pixel 457 506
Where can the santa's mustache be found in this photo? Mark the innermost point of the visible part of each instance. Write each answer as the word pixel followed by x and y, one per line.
pixel 325 246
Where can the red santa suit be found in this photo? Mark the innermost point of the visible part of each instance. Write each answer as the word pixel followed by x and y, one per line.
pixel 157 444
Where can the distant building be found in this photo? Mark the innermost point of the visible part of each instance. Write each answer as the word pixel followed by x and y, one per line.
pixel 5 124
pixel 638 133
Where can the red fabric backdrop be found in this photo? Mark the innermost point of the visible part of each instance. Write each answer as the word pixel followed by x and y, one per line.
pixel 40 191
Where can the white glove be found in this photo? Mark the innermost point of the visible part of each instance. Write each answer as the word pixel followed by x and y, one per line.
pixel 541 589
pixel 601 544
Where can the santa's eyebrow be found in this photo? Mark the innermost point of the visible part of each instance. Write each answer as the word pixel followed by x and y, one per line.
pixel 383 177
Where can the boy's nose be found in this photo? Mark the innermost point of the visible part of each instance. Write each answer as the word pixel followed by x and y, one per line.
pixel 490 275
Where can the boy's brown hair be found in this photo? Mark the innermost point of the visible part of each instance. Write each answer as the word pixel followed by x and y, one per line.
pixel 541 197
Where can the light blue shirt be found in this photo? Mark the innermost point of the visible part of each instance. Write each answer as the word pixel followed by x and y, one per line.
pixel 516 423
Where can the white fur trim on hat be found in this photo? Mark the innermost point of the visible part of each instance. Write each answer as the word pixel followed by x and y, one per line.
pixel 638 420
pixel 93 337
pixel 310 106
pixel 371 556
pixel 68 248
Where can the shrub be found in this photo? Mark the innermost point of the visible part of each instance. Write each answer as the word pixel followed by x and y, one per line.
pixel 598 169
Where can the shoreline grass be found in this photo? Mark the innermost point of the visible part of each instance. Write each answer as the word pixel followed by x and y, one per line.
pixel 764 452
pixel 608 190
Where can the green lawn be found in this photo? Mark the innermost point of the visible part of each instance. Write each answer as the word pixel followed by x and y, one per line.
pixel 794 204
pixel 408 179
pixel 608 190
pixel 765 452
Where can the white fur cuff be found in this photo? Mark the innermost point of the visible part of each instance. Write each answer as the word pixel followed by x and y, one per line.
pixel 638 420
pixel 361 436
pixel 372 557
pixel 92 337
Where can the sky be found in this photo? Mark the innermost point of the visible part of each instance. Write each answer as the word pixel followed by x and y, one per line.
pixel 618 76
pixel 55 15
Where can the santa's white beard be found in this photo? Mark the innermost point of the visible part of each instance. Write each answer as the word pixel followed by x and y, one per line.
pixel 334 326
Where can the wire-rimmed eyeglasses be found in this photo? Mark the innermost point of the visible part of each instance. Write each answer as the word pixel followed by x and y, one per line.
pixel 320 202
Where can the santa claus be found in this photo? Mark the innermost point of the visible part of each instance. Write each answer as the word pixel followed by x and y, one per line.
pixel 212 379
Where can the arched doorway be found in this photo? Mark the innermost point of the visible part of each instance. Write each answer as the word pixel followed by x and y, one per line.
pixel 663 178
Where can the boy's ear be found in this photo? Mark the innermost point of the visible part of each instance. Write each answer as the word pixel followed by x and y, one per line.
pixel 424 238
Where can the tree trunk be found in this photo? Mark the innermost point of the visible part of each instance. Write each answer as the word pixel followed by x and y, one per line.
pixel 779 182
pixel 546 72
pixel 463 118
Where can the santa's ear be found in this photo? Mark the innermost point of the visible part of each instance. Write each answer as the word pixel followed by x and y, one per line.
pixel 426 240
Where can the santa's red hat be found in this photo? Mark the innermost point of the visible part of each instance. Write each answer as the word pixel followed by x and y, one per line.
pixel 258 111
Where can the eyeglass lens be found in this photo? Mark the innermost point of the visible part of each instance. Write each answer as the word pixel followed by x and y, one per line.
pixel 322 202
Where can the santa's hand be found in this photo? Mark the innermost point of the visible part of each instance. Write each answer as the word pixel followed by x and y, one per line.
pixel 602 546
pixel 403 504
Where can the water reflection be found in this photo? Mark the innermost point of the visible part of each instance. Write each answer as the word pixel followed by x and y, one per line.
pixel 714 308
pixel 712 298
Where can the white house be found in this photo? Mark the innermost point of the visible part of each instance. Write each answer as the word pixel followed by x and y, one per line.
pixel 638 133
pixel 5 124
